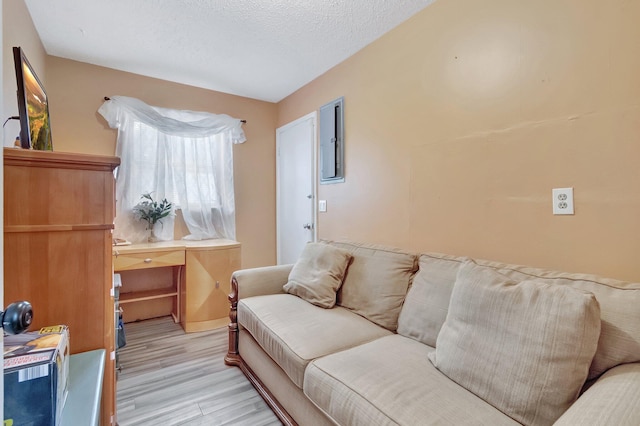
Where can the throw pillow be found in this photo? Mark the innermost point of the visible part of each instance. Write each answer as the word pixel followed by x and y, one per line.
pixel 524 347
pixel 318 274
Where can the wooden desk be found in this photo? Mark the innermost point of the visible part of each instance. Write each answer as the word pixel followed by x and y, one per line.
pixel 188 279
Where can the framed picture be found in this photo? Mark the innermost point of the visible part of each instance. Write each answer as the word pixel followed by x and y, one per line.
pixel 33 106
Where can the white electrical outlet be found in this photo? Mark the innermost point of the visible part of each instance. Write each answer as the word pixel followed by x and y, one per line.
pixel 562 200
pixel 322 205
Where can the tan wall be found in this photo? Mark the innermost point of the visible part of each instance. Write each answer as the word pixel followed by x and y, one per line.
pixel 76 91
pixel 18 30
pixel 460 122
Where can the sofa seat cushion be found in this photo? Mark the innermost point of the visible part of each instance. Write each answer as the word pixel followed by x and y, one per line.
pixel 390 381
pixel 294 332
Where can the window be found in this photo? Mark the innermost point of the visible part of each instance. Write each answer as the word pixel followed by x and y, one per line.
pixel 184 156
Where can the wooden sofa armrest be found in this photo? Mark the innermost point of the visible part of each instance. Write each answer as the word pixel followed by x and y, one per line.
pixel 247 283
pixel 614 399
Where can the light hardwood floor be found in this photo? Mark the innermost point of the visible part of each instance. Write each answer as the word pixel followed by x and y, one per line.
pixel 169 377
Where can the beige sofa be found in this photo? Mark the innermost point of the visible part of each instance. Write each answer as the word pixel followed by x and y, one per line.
pixel 418 339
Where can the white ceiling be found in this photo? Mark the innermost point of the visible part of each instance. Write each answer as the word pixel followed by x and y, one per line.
pixel 261 49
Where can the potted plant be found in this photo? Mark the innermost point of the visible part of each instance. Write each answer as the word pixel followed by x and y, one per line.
pixel 151 211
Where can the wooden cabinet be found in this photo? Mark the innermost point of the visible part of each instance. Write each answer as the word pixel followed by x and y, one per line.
pixel 58 219
pixel 209 265
pixel 189 280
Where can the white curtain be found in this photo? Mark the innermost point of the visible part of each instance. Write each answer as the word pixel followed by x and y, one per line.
pixel 183 156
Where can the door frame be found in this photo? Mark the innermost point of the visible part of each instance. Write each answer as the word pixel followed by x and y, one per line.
pixel 314 172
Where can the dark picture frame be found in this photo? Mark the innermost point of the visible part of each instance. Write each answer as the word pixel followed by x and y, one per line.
pixel 33 106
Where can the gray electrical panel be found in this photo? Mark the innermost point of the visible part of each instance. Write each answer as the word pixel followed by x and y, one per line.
pixel 332 142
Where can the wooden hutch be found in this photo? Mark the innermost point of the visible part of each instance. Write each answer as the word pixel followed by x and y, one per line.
pixel 58 220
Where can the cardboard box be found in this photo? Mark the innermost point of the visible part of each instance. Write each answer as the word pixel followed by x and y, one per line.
pixel 36 376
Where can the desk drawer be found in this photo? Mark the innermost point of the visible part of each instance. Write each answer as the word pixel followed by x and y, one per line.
pixel 129 261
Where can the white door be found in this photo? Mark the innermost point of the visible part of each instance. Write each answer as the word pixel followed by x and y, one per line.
pixel 295 187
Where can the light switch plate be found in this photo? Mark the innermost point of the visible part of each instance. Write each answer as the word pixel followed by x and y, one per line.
pixel 322 205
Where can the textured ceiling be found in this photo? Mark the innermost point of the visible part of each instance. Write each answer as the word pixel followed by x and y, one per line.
pixel 261 49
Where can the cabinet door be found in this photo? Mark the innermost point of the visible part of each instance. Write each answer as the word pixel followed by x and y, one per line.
pixel 208 275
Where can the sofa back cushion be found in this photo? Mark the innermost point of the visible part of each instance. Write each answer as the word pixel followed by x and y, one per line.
pixel 376 282
pixel 425 307
pixel 524 347
pixel 619 301
pixel 619 311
